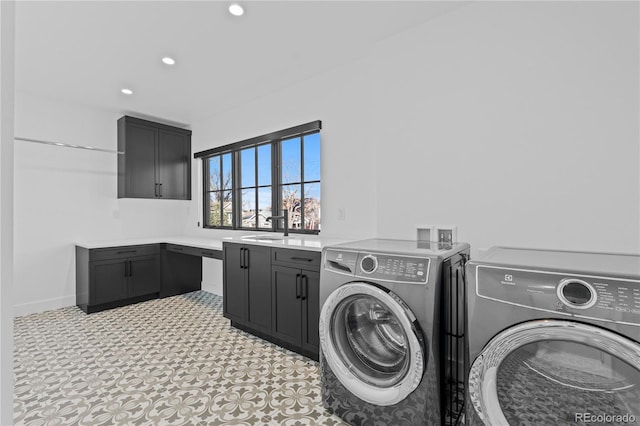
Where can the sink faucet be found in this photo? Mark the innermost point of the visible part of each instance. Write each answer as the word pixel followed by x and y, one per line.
pixel 285 217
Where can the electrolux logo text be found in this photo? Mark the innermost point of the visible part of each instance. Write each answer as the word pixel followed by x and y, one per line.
pixel 508 280
pixel 604 418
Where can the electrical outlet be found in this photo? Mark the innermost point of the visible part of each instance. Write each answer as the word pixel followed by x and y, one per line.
pixel 447 234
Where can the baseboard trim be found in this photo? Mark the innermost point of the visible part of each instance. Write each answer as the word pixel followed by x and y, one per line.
pixel 43 305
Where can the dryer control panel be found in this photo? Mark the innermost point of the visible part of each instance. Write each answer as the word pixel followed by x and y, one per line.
pixel 593 297
pixel 386 267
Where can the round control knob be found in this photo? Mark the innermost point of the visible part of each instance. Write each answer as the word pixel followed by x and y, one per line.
pixel 369 264
pixel 576 293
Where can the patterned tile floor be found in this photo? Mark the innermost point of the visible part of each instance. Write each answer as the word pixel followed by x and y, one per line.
pixel 174 361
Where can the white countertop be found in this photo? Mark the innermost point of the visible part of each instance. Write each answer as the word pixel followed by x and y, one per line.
pixel 205 243
pixel 296 241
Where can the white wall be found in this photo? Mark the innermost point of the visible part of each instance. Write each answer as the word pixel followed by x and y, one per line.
pixel 7 62
pixel 516 121
pixel 519 124
pixel 212 275
pixel 64 195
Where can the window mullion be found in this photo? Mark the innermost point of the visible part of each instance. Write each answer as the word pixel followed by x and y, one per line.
pixel 206 217
pixel 221 193
pixel 236 209
pixel 275 182
pixel 255 177
pixel 302 228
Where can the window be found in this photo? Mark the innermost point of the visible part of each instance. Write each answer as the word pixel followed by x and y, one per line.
pixel 299 186
pixel 245 180
pixel 219 191
pixel 255 187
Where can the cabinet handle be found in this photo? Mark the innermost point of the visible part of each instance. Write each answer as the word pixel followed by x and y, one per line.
pixel 177 248
pixel 242 259
pixel 160 192
pixel 155 189
pixel 126 251
pixel 305 286
pixel 298 285
pixel 305 259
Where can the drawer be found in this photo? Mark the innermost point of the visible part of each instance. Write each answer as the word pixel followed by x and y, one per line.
pixel 296 258
pixel 123 252
pixel 195 251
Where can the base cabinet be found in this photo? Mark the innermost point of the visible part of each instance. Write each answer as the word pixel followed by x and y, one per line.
pixel 274 294
pixel 106 278
pixel 117 276
pixel 247 285
pixel 295 301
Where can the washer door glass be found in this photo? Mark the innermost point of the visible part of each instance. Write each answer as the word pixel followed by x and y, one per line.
pixel 560 373
pixel 368 335
pixel 369 339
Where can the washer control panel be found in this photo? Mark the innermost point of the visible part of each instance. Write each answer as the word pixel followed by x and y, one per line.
pixel 608 298
pixel 387 267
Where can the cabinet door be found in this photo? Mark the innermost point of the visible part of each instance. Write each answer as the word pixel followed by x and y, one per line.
pixel 234 288
pixel 107 281
pixel 258 261
pixel 286 321
pixel 311 311
pixel 140 152
pixel 173 171
pixel 144 275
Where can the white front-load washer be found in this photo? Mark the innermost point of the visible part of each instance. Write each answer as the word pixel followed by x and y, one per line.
pixel 390 345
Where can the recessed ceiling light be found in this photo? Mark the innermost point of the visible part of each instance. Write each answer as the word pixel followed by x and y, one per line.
pixel 169 61
pixel 127 91
pixel 236 10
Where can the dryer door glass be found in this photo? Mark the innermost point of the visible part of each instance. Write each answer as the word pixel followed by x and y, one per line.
pixel 369 339
pixel 558 373
pixel 553 382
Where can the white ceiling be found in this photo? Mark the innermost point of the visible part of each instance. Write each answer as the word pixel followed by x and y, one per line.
pixel 85 51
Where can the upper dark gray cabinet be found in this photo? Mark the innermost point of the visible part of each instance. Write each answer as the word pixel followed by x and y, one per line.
pixel 156 162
